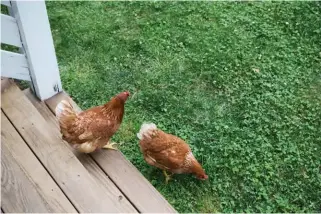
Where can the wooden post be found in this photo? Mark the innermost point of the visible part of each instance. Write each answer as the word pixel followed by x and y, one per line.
pixel 33 23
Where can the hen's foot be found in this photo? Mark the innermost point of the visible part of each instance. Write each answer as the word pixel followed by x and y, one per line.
pixel 110 146
pixel 167 177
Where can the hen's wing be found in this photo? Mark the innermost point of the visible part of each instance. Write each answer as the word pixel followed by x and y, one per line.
pixel 89 126
pixel 165 151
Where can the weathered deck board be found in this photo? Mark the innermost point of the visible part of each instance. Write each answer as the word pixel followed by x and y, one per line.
pixel 71 176
pixel 26 185
pixel 132 183
pixel 94 170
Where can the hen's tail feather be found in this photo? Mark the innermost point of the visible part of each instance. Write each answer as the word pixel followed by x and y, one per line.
pixel 146 130
pixel 65 114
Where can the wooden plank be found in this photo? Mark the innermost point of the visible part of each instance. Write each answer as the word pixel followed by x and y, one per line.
pixel 132 183
pixel 14 65
pixel 94 170
pixel 26 185
pixel 71 176
pixel 6 3
pixel 38 44
pixel 9 31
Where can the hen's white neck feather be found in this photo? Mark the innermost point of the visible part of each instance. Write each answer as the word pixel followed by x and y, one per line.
pixel 146 130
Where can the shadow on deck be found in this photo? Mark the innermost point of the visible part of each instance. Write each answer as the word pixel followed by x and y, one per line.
pixel 41 173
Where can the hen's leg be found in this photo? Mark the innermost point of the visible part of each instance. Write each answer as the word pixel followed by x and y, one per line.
pixel 110 145
pixel 167 177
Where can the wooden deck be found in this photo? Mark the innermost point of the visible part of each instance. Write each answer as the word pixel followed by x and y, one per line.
pixel 41 173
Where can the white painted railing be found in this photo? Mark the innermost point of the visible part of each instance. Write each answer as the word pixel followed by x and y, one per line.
pixel 27 27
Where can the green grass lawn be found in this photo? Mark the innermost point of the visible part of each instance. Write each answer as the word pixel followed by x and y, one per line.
pixel 241 82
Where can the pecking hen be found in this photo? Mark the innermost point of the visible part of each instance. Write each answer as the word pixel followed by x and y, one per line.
pixel 91 129
pixel 168 152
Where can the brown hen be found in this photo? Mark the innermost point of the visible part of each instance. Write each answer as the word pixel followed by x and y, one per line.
pixel 168 152
pixel 91 129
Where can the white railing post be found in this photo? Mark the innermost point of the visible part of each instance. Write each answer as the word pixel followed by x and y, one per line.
pixel 33 23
